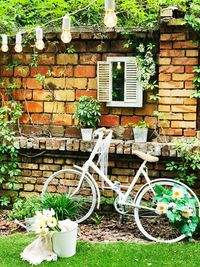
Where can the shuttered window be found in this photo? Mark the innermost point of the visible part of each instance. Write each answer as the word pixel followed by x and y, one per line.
pixel 132 91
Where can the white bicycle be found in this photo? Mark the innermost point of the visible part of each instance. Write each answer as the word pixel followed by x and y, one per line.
pixel 80 185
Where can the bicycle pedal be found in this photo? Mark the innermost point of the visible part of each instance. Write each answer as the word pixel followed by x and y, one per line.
pixel 123 219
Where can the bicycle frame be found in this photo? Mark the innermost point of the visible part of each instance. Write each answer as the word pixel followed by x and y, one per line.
pixel 112 186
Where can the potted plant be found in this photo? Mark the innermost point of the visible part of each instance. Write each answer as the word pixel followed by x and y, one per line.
pixel 88 115
pixel 140 131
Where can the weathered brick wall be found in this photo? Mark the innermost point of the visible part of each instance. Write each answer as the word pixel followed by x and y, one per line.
pixel 179 53
pixel 58 153
pixel 68 76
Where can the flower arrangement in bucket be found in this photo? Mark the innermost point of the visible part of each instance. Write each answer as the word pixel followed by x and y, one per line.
pixel 140 131
pixel 88 115
pixel 56 238
pixel 179 207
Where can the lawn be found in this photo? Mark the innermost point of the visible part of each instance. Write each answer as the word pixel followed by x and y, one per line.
pixel 104 254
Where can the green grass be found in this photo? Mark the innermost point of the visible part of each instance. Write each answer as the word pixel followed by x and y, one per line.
pixel 107 255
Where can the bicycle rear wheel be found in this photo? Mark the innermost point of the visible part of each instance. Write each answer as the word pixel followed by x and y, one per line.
pixel 80 196
pixel 154 226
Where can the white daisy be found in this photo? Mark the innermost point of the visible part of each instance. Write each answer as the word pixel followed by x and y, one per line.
pixel 52 222
pixel 177 192
pixel 161 208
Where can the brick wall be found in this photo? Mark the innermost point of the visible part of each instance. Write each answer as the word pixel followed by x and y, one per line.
pixel 179 52
pixel 58 153
pixel 68 76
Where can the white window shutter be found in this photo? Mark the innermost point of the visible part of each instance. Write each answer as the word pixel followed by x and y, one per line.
pixel 133 89
pixel 104 81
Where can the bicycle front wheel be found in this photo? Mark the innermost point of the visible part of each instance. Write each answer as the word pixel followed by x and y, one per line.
pixel 154 226
pixel 80 194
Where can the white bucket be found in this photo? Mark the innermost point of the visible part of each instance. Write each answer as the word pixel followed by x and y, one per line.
pixel 64 243
pixel 86 134
pixel 140 135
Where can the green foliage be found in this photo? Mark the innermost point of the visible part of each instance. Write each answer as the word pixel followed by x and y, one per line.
pixel 88 112
pixel 97 219
pixel 40 78
pixel 70 49
pixel 179 210
pixel 25 208
pixel 4 201
pixel 140 124
pixel 27 14
pixel 196 82
pixel 186 170
pixel 64 206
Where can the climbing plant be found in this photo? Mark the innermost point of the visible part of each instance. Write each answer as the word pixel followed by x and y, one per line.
pixel 15 14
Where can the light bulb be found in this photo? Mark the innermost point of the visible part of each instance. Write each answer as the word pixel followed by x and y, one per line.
pixel 39 38
pixel 18 46
pixel 119 65
pixel 39 44
pixel 4 46
pixel 66 36
pixel 110 19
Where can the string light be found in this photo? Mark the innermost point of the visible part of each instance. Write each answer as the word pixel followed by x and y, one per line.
pixel 66 36
pixel 18 45
pixel 119 65
pixel 39 38
pixel 110 19
pixel 4 46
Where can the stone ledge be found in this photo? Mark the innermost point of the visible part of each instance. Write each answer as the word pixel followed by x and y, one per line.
pixel 75 145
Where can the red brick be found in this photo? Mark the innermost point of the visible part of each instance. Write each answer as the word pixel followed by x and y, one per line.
pixel 192 53
pixel 41 94
pixel 171 69
pixel 175 132
pixel 71 108
pixel 118 46
pixel 46 59
pixel 164 61
pixel 5 72
pixel 164 77
pixel 33 107
pixel 24 118
pixel 89 58
pixel 189 132
pixel 129 119
pixel 21 71
pixel 73 132
pixel 189 84
pixel 85 71
pixel 86 35
pixel 22 58
pixel 172 53
pixel 66 71
pixel 62 119
pixel 165 45
pixel 171 84
pixel 109 120
pixel 184 61
pixel 186 44
pixel 189 69
pixel 42 70
pixel 183 77
pixel 172 36
pixel 147 110
pixel 41 118
pixel 80 93
pixel 21 94
pixel 32 83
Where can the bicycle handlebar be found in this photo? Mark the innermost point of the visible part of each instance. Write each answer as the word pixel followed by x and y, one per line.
pixel 102 131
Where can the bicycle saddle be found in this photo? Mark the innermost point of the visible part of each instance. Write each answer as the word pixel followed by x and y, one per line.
pixel 145 156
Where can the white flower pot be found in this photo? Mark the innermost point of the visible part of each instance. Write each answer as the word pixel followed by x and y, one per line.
pixel 64 243
pixel 86 134
pixel 140 135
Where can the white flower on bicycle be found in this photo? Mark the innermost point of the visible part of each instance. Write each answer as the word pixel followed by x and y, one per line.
pixel 161 208
pixel 52 222
pixel 177 192
pixel 187 213
pixel 172 205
